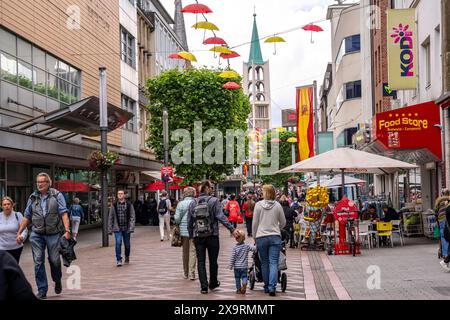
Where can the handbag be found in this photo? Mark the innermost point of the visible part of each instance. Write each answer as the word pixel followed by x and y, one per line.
pixel 176 237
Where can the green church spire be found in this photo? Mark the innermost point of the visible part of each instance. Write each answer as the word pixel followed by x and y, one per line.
pixel 255 50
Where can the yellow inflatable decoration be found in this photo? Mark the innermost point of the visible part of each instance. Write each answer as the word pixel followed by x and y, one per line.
pixel 317 197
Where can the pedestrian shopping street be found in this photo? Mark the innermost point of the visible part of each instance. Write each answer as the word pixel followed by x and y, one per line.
pixel 155 272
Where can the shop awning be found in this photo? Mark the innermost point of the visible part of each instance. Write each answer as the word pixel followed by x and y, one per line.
pixel 411 134
pixel 83 117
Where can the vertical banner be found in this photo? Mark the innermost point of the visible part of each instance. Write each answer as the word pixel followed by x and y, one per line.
pixel 167 174
pixel 402 52
pixel 305 123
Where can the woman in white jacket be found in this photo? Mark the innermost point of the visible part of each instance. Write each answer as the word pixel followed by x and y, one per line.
pixel 9 225
pixel 268 220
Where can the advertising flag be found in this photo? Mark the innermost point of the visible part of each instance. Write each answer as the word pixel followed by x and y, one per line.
pixel 305 124
pixel 402 53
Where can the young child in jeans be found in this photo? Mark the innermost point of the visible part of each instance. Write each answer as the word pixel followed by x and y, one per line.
pixel 239 261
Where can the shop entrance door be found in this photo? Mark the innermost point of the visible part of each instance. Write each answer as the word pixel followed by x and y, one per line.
pixel 20 196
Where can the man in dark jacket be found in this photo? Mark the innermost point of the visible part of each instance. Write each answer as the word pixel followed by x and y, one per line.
pixel 446 262
pixel 210 240
pixel 13 284
pixel 389 213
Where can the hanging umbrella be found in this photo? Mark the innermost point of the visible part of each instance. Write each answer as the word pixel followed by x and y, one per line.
pixel 292 140
pixel 274 40
pixel 312 28
pixel 231 55
pixel 175 56
pixel 215 40
pixel 221 49
pixel 196 8
pixel 187 56
pixel 205 25
pixel 229 74
pixel 348 160
pixel 231 85
pixel 281 129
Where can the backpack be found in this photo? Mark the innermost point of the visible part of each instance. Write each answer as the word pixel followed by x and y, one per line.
pixel 162 207
pixel 202 219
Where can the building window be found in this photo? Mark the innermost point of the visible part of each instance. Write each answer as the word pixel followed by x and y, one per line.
pixel 352 90
pixel 427 61
pixel 129 105
pixel 128 50
pixel 261 112
pixel 29 67
pixel 349 45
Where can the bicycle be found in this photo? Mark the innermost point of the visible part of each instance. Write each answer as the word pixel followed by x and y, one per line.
pixel 350 231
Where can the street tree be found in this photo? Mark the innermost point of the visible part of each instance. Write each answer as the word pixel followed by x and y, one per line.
pixel 192 95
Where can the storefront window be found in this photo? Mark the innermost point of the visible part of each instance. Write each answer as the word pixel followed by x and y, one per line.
pixel 8 68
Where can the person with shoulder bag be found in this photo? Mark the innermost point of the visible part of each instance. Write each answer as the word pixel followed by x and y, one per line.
pixel 188 253
pixel 9 225
pixel 446 234
pixel 440 208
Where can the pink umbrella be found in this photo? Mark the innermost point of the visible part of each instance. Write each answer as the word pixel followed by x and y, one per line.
pixel 233 54
pixel 313 28
pixel 215 40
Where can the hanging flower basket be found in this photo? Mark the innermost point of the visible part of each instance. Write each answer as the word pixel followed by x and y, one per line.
pixel 99 160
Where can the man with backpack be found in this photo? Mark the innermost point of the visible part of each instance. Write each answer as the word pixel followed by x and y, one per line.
pixel 204 216
pixel 164 208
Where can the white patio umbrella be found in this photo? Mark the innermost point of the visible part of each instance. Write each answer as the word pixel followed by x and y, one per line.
pixel 348 160
pixel 336 181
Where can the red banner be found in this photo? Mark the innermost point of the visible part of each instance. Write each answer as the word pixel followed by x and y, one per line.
pixel 167 174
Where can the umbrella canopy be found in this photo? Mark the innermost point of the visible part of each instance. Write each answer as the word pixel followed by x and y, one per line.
pixel 229 74
pixel 72 186
pixel 231 85
pixel 337 182
pixel 187 56
pixel 215 40
pixel 196 8
pixel 292 140
pixel 221 49
pixel 312 27
pixel 158 185
pixel 348 160
pixel 175 56
pixel 231 55
pixel 205 25
pixel 274 39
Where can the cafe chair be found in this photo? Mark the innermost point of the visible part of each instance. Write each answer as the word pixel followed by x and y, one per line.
pixel 364 233
pixel 397 228
pixel 384 229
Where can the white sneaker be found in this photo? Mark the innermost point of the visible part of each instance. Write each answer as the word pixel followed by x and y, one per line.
pixel 445 266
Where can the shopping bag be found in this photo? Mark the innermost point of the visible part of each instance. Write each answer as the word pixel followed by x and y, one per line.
pixel 282 265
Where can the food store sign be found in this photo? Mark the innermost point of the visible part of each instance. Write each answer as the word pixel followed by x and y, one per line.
pixel 403 122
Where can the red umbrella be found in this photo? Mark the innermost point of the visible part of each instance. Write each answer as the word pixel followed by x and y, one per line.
pixel 196 8
pixel 215 40
pixel 233 54
pixel 312 28
pixel 231 85
pixel 175 56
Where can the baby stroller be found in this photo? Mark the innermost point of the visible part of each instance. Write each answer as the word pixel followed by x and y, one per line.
pixel 255 274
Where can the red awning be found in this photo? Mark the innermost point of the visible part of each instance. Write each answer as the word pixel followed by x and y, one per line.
pixel 411 134
pixel 71 186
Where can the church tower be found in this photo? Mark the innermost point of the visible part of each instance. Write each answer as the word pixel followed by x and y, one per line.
pixel 256 83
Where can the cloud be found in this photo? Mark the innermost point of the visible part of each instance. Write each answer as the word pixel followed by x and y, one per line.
pixel 297 62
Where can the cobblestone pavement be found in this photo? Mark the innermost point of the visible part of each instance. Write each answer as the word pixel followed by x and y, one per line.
pixel 410 272
pixel 155 272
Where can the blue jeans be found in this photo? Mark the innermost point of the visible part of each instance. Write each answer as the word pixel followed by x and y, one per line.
pixel 269 252
pixel 126 241
pixel 38 245
pixel 240 274
pixel 444 243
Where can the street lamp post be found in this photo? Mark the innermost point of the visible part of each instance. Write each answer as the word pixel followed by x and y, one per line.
pixel 104 148
pixel 166 141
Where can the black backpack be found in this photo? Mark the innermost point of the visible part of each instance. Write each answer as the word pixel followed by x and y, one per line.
pixel 162 207
pixel 202 219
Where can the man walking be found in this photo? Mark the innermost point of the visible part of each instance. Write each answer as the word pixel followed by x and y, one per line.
pixel 46 210
pixel 121 221
pixel 164 208
pixel 249 207
pixel 204 216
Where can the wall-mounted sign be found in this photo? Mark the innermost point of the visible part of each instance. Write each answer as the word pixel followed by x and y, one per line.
pixel 388 92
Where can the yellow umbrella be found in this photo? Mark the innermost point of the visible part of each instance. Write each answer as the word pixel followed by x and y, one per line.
pixel 221 49
pixel 187 55
pixel 281 129
pixel 274 40
pixel 292 140
pixel 229 74
pixel 205 25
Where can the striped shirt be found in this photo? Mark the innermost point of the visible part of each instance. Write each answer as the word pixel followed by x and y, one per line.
pixel 239 257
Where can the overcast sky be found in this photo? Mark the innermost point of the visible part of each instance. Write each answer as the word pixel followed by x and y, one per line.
pixel 297 62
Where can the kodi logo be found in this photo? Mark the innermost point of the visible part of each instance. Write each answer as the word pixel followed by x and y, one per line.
pixel 405 37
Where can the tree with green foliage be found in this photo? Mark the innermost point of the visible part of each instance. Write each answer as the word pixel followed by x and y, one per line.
pixel 196 95
pixel 280 180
